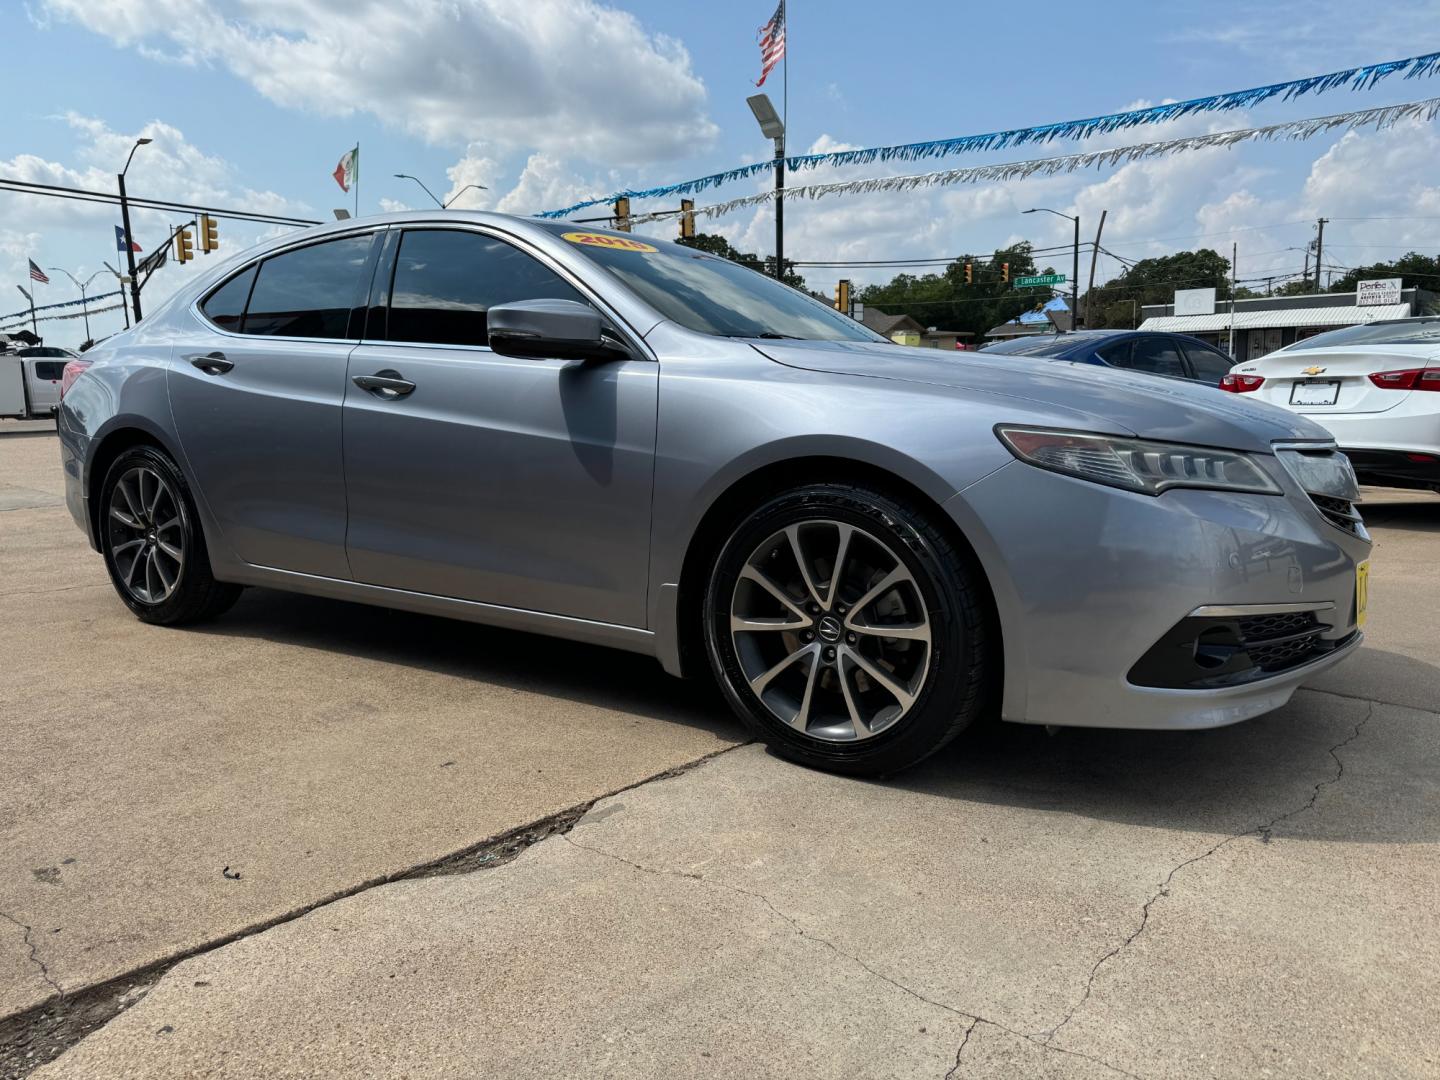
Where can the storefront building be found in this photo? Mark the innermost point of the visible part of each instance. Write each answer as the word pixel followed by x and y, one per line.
pixel 1265 324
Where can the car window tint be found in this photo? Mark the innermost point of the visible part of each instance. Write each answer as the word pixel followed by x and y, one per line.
pixel 226 305
pixel 1117 355
pixel 49 369
pixel 308 292
pixel 1209 366
pixel 446 280
pixel 1157 356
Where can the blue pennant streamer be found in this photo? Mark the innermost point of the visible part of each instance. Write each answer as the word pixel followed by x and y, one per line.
pixel 63 303
pixel 1360 78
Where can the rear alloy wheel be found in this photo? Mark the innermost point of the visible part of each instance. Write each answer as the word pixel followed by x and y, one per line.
pixel 846 629
pixel 153 545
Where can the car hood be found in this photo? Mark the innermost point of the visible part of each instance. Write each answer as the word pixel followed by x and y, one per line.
pixel 1148 406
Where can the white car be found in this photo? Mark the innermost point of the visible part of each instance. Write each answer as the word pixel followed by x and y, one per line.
pixel 1376 387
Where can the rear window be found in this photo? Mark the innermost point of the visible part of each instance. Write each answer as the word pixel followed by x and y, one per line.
pixel 1045 345
pixel 1409 332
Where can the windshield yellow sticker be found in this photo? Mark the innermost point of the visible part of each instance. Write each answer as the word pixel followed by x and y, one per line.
pixel 601 240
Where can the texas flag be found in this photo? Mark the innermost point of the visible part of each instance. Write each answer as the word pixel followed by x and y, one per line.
pixel 348 171
pixel 120 240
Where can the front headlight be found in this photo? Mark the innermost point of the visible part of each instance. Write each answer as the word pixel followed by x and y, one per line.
pixel 1136 464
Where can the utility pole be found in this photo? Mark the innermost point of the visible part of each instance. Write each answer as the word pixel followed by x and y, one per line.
pixel 129 237
pixel 1319 251
pixel 1234 254
pixel 1094 254
pixel 1075 279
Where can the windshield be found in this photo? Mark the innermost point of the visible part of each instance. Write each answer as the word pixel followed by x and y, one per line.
pixel 1409 332
pixel 708 294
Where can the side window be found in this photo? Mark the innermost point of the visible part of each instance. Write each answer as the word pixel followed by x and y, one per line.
pixel 1157 356
pixel 309 292
pixel 49 369
pixel 1209 366
pixel 1116 355
pixel 225 307
pixel 446 280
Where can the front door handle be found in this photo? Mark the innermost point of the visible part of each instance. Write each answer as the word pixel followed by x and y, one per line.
pixel 385 384
pixel 213 363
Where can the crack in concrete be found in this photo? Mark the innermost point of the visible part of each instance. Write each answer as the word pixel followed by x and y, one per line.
pixel 1263 831
pixel 34 954
pixel 975 1019
pixel 950 1075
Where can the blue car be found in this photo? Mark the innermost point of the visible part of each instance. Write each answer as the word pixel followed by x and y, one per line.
pixel 1177 356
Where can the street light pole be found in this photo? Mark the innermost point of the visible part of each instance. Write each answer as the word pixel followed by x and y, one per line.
pixel 407 176
pixel 82 286
pixel 451 201
pixel 772 127
pixel 1074 264
pixel 129 238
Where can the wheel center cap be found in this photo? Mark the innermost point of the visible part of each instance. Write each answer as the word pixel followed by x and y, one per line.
pixel 829 629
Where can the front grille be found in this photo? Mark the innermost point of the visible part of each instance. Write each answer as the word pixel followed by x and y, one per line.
pixel 1215 650
pixel 1277 642
pixel 1339 512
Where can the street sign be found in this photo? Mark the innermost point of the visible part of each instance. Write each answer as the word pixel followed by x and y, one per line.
pixel 1039 279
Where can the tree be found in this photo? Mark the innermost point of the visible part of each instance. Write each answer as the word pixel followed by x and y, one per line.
pixel 1154 281
pixel 1413 269
pixel 944 300
pixel 714 244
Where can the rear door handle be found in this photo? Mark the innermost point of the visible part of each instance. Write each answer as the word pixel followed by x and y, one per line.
pixel 386 384
pixel 213 363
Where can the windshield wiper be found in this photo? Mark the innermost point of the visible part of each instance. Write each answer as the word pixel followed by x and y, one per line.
pixel 769 335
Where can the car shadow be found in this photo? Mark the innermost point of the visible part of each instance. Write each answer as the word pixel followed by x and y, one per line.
pixel 1224 780
pixel 1405 511
pixel 586 674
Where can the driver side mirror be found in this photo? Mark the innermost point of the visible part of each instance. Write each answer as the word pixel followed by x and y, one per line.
pixel 550 330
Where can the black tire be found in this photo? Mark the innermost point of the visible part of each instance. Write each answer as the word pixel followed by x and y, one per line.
pixel 952 679
pixel 193 593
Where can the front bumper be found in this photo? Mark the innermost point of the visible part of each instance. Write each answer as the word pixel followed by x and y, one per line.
pixel 1088 579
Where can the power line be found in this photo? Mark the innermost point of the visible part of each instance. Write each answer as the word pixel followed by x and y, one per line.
pixel 59 191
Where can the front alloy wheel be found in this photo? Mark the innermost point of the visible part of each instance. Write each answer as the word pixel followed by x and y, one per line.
pixel 847 629
pixel 830 630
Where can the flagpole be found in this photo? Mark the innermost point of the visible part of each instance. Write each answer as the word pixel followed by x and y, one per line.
pixel 357 178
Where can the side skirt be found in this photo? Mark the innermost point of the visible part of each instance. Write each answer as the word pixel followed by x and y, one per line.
pixel 629 638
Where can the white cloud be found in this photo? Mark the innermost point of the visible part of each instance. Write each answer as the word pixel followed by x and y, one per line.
pixel 569 77
pixel 80 236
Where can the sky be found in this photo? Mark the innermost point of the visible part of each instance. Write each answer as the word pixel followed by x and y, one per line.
pixel 251 103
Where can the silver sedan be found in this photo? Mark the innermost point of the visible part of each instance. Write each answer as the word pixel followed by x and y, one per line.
pixel 570 431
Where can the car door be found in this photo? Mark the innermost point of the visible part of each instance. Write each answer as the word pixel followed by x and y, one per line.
pixel 524 483
pixel 256 394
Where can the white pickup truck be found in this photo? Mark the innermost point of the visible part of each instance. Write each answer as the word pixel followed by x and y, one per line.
pixel 30 381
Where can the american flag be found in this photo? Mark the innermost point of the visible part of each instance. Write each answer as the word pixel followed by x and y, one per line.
pixel 772 42
pixel 36 274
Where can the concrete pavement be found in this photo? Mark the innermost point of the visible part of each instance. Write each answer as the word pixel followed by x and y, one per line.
pixel 164 789
pixel 1252 901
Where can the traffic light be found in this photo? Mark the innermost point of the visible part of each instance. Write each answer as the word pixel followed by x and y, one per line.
pixel 209 234
pixel 687 218
pixel 969 274
pixel 184 244
pixel 1005 273
pixel 622 214
pixel 842 296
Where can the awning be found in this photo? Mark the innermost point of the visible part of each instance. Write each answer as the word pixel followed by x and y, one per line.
pixel 1348 315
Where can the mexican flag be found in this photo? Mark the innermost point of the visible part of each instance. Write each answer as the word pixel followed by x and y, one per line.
pixel 348 171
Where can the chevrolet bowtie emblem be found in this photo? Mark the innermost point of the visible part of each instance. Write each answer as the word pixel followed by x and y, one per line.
pixel 1313 369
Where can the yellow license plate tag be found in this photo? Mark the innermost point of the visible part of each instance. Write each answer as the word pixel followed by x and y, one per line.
pixel 1362 591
